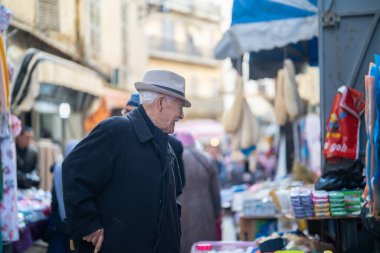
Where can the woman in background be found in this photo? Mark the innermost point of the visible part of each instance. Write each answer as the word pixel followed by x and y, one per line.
pixel 201 197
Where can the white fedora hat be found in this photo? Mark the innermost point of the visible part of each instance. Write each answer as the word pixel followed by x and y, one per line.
pixel 164 82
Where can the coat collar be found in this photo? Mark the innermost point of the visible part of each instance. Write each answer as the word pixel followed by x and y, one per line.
pixel 140 126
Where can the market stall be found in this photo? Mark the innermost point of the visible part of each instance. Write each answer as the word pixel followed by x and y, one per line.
pixel 33 217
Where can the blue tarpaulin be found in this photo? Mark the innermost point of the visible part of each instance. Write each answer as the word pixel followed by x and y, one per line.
pixel 271 30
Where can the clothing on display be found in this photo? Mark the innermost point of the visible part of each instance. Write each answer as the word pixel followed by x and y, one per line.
pixel 9 129
pixel 376 173
pixel 287 102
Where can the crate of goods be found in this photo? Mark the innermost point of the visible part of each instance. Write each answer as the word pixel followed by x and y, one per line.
pixel 258 207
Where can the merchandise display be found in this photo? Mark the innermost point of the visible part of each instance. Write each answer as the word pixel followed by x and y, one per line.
pixel 33 205
pixel 325 203
pixel 302 203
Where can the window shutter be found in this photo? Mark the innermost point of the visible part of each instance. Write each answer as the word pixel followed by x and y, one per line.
pixel 48 15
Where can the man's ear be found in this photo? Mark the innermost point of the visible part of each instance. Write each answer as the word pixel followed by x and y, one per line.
pixel 160 100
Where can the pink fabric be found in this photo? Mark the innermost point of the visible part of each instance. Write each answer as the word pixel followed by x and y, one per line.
pixel 8 205
pixel 186 139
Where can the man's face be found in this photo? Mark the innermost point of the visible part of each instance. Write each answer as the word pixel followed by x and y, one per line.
pixel 25 139
pixel 172 111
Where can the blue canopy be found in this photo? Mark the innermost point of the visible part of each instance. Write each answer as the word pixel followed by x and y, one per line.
pixel 267 24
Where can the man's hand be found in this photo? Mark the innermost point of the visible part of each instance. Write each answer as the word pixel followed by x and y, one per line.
pixel 96 238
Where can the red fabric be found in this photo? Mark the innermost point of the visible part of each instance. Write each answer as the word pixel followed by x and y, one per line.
pixel 342 128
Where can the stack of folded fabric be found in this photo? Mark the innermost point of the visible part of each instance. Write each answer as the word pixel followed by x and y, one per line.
pixel 337 205
pixel 352 202
pixel 321 203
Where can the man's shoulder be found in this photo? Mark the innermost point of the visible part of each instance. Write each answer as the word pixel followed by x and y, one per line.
pixel 116 121
pixel 113 126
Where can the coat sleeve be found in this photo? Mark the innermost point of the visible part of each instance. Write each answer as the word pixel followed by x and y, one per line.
pixel 85 172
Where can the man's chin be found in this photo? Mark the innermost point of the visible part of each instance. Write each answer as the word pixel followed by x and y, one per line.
pixel 168 131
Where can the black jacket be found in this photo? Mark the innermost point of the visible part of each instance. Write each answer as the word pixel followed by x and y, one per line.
pixel 27 162
pixel 123 178
pixel 178 151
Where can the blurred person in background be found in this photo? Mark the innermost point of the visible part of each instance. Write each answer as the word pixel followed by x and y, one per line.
pixel 134 102
pixel 267 159
pixel 215 153
pixel 27 160
pixel 200 199
pixel 57 234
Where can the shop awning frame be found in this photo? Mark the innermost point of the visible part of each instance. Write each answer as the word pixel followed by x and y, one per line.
pixel 40 67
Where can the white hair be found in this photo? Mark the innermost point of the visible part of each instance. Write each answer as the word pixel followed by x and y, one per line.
pixel 147 97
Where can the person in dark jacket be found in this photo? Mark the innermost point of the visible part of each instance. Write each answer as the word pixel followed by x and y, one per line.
pixel 27 160
pixel 57 235
pixel 176 145
pixel 120 184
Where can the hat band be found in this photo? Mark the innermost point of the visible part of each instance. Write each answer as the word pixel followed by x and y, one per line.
pixel 170 89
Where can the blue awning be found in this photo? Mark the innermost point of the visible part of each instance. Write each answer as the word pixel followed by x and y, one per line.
pixel 267 24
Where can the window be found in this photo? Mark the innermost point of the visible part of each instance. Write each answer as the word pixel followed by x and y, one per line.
pixel 124 32
pixel 94 24
pixel 48 15
pixel 168 43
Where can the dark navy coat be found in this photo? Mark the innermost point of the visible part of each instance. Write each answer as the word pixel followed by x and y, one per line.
pixel 122 179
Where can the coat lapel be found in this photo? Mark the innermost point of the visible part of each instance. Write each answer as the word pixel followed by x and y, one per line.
pixel 139 125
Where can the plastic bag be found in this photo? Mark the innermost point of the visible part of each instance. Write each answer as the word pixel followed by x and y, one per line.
pixel 369 221
pixel 339 178
pixel 342 129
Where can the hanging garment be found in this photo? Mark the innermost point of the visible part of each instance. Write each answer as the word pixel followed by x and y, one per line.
pixel 369 123
pixel 312 135
pixel 279 108
pixel 8 206
pixel 248 132
pixel 4 79
pixel 288 104
pixel 308 85
pixel 5 18
pixel 233 118
pixel 291 98
pixel 376 134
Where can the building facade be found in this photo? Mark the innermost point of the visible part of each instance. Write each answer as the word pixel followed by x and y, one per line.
pixel 181 36
pixel 117 41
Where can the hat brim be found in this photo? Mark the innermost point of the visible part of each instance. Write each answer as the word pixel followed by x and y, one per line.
pixel 149 87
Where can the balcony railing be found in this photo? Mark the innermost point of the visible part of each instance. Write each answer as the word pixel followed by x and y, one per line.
pixel 182 48
pixel 201 8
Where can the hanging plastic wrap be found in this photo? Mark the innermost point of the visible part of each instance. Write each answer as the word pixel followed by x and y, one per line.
pixel 342 129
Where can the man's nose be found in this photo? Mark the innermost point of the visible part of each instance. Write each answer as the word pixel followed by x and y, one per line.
pixel 181 113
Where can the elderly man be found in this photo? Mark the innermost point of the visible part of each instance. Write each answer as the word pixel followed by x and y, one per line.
pixel 176 145
pixel 120 182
